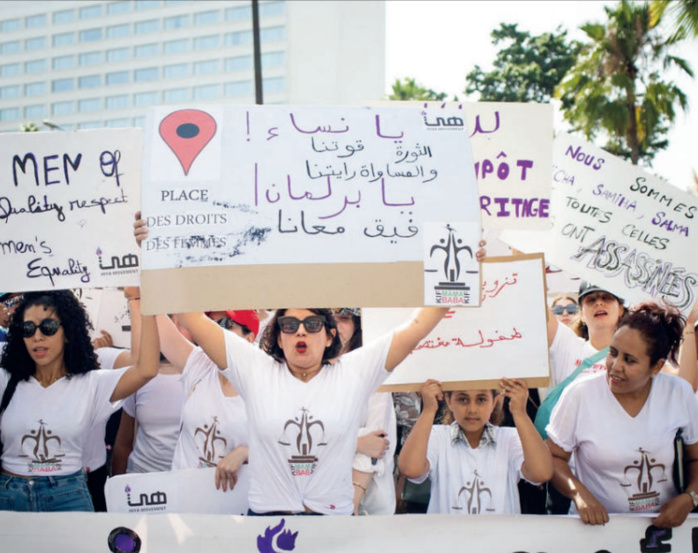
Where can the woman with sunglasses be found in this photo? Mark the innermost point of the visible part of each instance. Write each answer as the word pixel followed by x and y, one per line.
pixel 564 307
pixel 52 396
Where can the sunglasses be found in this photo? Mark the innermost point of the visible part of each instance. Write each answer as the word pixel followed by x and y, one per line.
pixel 312 324
pixel 11 302
pixel 48 327
pixel 229 324
pixel 560 309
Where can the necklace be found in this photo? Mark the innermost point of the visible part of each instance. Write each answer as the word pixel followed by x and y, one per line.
pixel 305 374
pixel 50 381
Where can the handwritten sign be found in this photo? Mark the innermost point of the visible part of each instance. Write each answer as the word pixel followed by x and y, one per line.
pixel 473 349
pixel 512 153
pixel 67 200
pixel 179 491
pixel 619 227
pixel 326 203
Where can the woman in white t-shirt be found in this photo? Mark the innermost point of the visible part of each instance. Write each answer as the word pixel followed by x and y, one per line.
pixel 620 426
pixel 474 465
pixel 53 395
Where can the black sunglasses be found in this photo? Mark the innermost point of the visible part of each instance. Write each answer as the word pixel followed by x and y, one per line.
pixel 48 327
pixel 312 324
pixel 571 309
pixel 229 324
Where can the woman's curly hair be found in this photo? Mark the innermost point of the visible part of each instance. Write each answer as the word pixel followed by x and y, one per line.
pixel 270 339
pixel 78 354
pixel 661 327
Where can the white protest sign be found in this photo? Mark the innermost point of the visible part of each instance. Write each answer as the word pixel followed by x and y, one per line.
pixel 276 198
pixel 108 310
pixel 67 200
pixel 474 348
pixel 179 491
pixel 174 533
pixel 621 228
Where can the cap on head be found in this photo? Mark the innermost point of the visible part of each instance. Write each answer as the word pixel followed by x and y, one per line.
pixel 347 311
pixel 586 288
pixel 245 317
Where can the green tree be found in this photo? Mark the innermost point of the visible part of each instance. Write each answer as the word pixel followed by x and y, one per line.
pixel 28 127
pixel 615 89
pixel 527 68
pixel 683 12
pixel 408 89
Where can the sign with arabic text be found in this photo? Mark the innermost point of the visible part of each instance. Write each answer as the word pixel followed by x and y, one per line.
pixel 67 200
pixel 474 348
pixel 622 228
pixel 297 205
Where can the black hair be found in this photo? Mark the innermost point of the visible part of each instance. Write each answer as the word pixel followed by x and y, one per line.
pixel 496 418
pixel 356 340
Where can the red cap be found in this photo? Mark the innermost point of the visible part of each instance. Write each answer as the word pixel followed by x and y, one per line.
pixel 245 317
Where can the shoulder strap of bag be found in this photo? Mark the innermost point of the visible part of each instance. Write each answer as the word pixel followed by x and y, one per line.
pixel 585 364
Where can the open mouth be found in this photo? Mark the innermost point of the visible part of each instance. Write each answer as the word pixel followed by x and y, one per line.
pixel 301 347
pixel 600 314
pixel 39 352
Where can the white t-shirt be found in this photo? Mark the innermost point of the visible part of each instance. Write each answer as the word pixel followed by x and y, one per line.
pixel 303 434
pixel 157 408
pixel 473 481
pixel 625 462
pixel 44 430
pixel 567 352
pixel 213 425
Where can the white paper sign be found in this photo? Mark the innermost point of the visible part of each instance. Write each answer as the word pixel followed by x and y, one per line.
pixel 621 228
pixel 108 310
pixel 67 200
pixel 478 345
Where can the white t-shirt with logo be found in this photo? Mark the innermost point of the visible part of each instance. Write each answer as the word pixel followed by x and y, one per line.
pixel 157 409
pixel 44 430
pixel 625 462
pixel 303 434
pixel 473 481
pixel 567 352
pixel 213 425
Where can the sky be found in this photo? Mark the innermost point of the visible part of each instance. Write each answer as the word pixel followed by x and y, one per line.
pixel 438 42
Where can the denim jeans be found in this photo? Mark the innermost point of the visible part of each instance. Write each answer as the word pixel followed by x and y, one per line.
pixel 45 493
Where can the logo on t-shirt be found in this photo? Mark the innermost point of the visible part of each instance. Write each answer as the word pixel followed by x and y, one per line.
pixel 209 436
pixel 475 497
pixel 43 449
pixel 305 435
pixel 639 476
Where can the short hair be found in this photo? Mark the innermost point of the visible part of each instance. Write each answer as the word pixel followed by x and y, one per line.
pixel 661 327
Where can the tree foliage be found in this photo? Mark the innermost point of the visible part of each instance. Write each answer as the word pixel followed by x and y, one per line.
pixel 408 89
pixel 684 14
pixel 527 68
pixel 28 127
pixel 616 89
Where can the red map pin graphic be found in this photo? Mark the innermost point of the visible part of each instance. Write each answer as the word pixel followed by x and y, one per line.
pixel 187 132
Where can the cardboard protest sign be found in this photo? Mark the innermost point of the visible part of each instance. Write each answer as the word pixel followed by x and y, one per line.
pixel 67 200
pixel 265 206
pixel 108 311
pixel 621 228
pixel 474 349
pixel 512 153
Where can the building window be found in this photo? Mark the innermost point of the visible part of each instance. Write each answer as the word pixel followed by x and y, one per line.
pixel 90 35
pixel 238 38
pixel 90 12
pixel 146 27
pixel 10 47
pixel 35 21
pixel 119 31
pixel 10 70
pixel 35 66
pixel 37 43
pixel 208 67
pixel 118 54
pixel 207 92
pixel 62 108
pixel 90 104
pixel 146 99
pixel 175 71
pixel 146 50
pixel 89 125
pixel 176 95
pixel 116 123
pixel 63 39
pixel 9 91
pixel 118 102
pixel 207 42
pixel 145 75
pixel 273 59
pixel 9 114
pixel 90 58
pixel 239 88
pixel 176 22
pixel 63 62
pixel 147 4
pixel 35 112
pixel 274 84
pixel 176 2
pixel 139 121
pixel 269 9
pixel 239 63
pixel 118 77
pixel 272 34
pixel 63 85
pixel 63 16
pixel 35 89
pixel 176 46
pixel 10 25
pixel 114 8
pixel 207 18
pixel 90 81
pixel 239 13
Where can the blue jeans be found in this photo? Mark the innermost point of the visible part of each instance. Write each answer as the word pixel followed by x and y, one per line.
pixel 45 493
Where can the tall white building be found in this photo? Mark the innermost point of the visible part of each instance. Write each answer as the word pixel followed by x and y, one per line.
pixel 88 64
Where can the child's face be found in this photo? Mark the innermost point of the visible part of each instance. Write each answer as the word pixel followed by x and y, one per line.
pixel 471 408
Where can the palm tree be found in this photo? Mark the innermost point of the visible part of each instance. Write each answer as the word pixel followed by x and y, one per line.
pixel 408 89
pixel 684 12
pixel 616 87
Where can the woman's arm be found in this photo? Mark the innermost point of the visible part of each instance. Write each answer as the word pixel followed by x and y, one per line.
pixel 674 512
pixel 538 462
pixel 412 460
pixel 174 346
pixel 227 468
pixel 208 335
pixel 146 366
pixel 123 444
pixel 360 480
pixel 688 357
pixel 590 509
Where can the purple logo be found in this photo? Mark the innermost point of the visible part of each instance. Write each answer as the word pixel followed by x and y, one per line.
pixel 285 540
